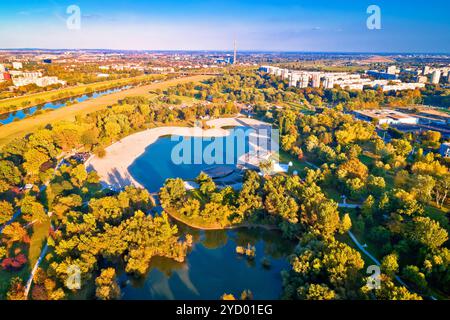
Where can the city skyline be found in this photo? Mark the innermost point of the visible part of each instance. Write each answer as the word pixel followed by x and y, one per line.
pixel 332 26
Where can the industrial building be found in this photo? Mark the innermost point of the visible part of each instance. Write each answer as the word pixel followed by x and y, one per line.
pixel 385 116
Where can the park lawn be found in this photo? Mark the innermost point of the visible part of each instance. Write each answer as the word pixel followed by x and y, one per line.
pixel 12 104
pixel 21 128
pixel 40 234
pixel 297 106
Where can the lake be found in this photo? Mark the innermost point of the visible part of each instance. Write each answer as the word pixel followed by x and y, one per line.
pixel 212 267
pixel 18 115
pixel 162 159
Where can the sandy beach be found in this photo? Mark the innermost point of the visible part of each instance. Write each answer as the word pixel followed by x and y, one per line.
pixel 113 168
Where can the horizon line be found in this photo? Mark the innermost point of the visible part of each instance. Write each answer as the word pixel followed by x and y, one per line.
pixel 231 50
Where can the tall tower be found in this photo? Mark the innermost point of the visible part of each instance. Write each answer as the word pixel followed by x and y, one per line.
pixel 235 51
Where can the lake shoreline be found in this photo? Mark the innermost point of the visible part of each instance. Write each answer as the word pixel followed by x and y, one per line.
pixel 113 168
pixel 217 228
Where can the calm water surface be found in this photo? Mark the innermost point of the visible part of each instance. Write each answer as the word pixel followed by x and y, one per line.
pixel 18 115
pixel 212 267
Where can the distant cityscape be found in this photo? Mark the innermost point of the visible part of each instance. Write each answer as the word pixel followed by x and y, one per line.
pixel 386 80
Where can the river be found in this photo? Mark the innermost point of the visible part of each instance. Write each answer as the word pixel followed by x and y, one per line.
pixel 14 116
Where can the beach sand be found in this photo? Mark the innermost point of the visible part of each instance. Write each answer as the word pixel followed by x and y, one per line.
pixel 113 167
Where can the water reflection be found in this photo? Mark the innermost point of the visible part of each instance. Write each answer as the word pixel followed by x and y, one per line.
pixel 213 267
pixel 18 115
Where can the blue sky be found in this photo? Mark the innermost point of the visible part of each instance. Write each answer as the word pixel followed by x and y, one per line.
pixel 321 25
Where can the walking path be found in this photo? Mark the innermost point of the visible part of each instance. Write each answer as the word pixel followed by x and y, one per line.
pixel 14 217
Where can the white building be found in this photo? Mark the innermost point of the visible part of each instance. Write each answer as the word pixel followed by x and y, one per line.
pixel 2 68
pixel 436 76
pixel 316 80
pixel 328 83
pixel 391 70
pixel 39 81
pixel 17 65
pixel 385 116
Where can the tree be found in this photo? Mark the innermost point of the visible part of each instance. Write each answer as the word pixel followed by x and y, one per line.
pixel 389 291
pixel 34 159
pixel 107 287
pixel 206 183
pixel 14 232
pixel 346 223
pixel 9 175
pixel 316 292
pixel 6 212
pixel 32 209
pixel 424 186
pixel 389 264
pixel 427 232
pixel 172 193
pixel 352 168
pixel 413 275
pixel 227 296
pixel 16 290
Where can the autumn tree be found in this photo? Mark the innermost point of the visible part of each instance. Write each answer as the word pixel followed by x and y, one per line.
pixel 107 287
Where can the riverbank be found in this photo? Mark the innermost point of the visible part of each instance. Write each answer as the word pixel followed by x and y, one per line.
pixel 14 130
pixel 25 101
pixel 113 169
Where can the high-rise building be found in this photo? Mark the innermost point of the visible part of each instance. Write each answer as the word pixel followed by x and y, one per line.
pixel 316 80
pixel 328 83
pixel 391 70
pixel 435 76
pixel 285 74
pixel 2 68
pixel 304 81
pixel 426 70
pixel 294 79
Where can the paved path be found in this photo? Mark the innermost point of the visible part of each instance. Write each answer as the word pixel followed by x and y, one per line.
pixel 375 260
pixel 14 217
pixel 349 205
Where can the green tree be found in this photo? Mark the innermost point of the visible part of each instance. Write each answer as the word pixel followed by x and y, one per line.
pixel 6 212
pixel 427 232
pixel 389 264
pixel 107 287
